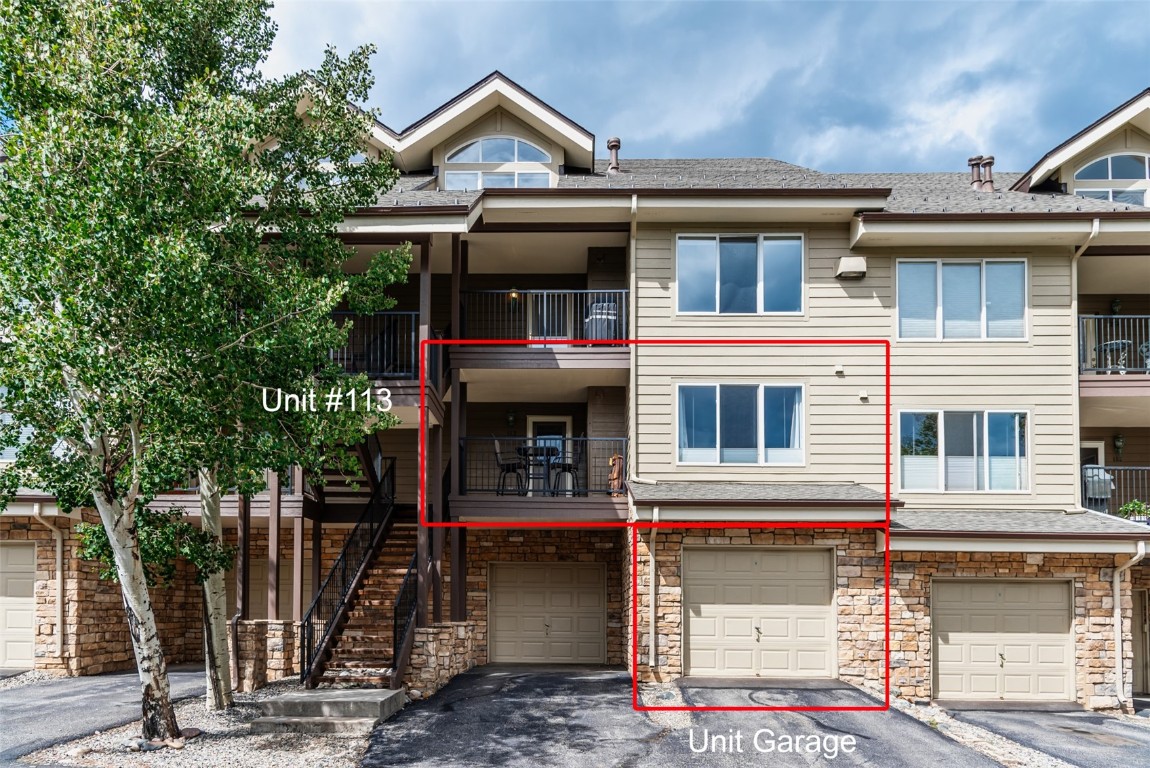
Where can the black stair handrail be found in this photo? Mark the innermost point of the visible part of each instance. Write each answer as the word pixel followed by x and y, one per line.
pixel 403 614
pixel 321 623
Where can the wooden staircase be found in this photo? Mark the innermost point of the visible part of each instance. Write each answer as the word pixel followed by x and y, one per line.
pixel 363 655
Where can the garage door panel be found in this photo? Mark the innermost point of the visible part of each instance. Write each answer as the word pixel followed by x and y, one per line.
pixel 1017 646
pixel 757 611
pixel 17 605
pixel 547 613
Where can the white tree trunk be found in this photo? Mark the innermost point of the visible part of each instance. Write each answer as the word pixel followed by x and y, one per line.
pixel 217 662
pixel 159 717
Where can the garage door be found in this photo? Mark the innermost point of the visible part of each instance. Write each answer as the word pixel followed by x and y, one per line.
pixel 17 604
pixel 759 612
pixel 547 612
pixel 1003 640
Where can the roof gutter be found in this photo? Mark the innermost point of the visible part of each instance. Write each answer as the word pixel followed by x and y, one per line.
pixel 1116 587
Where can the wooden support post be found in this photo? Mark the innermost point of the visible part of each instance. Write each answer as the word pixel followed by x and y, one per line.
pixel 435 445
pixel 459 574
pixel 456 287
pixel 297 570
pixel 316 557
pixel 244 541
pixel 423 543
pixel 274 546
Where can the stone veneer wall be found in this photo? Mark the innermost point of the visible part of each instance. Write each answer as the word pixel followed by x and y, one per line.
pixel 96 636
pixel 859 594
pixel 439 653
pixel 911 573
pixel 250 649
pixel 502 545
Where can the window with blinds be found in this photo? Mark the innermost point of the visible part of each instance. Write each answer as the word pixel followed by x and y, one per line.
pixel 961 299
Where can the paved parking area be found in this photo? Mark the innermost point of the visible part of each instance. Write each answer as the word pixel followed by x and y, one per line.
pixel 37 716
pixel 527 717
pixel 1085 739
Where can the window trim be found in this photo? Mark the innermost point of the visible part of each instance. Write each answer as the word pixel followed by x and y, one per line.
pixel 446 155
pixel 983 338
pixel 759 236
pixel 939 412
pixel 1111 190
pixel 760 427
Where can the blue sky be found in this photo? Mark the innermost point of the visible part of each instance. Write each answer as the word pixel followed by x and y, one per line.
pixel 837 86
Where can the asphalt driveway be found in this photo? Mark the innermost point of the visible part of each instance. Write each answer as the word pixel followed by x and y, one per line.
pixel 1085 739
pixel 522 717
pixel 38 716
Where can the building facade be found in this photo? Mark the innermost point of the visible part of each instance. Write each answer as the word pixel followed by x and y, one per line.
pixel 854 426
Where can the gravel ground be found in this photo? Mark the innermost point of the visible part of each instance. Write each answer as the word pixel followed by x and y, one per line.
pixel 31 677
pixel 226 741
pixel 665 695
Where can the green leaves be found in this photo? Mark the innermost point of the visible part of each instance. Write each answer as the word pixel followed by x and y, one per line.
pixel 165 538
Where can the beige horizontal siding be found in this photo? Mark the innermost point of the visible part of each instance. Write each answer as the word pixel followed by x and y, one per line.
pixel 844 437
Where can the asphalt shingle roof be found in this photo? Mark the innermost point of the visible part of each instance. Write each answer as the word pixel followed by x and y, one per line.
pixel 911 193
pixel 703 492
pixel 1019 521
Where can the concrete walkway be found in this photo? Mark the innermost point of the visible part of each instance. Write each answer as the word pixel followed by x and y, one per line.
pixel 38 716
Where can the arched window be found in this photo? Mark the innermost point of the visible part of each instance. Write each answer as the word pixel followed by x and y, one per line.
pixel 1120 178
pixel 509 162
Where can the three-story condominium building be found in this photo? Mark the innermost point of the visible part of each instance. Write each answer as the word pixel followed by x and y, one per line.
pixel 745 379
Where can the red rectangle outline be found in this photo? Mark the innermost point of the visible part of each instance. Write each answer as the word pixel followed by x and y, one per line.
pixel 885 530
pixel 423 344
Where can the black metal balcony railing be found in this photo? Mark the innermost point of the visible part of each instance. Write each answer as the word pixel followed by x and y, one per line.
pixel 1109 489
pixel 384 345
pixel 543 466
pixel 1114 343
pixel 545 315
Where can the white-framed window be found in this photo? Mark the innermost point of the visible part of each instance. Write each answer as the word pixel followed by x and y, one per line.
pixel 949 299
pixel 740 423
pixel 513 163
pixel 740 274
pixel 468 180
pixel 963 451
pixel 1118 178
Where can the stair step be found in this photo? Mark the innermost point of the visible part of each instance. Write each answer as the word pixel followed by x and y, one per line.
pixel 334 703
pixel 380 664
pixel 351 725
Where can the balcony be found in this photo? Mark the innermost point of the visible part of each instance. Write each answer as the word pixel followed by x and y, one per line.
pixel 545 315
pixel 543 478
pixel 383 345
pixel 1108 489
pixel 1114 344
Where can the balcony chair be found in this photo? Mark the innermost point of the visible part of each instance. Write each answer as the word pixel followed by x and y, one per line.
pixel 568 464
pixel 507 467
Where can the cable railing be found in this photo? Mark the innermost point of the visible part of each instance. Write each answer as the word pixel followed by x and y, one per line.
pixel 1117 344
pixel 321 623
pixel 383 345
pixel 1114 490
pixel 545 315
pixel 544 467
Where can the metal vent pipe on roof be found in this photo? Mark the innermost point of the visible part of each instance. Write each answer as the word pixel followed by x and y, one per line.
pixel 975 164
pixel 613 145
pixel 988 173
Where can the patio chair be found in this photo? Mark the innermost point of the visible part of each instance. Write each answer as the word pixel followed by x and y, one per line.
pixel 568 464
pixel 508 466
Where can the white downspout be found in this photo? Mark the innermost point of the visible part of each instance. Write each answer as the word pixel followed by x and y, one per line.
pixel 58 535
pixel 1116 584
pixel 653 658
pixel 1075 415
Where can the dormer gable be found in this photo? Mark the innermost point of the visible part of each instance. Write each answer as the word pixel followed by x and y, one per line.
pixel 497 108
pixel 1107 160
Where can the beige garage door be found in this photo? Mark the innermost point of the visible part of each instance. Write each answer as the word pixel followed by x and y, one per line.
pixel 547 612
pixel 1002 640
pixel 759 612
pixel 17 605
